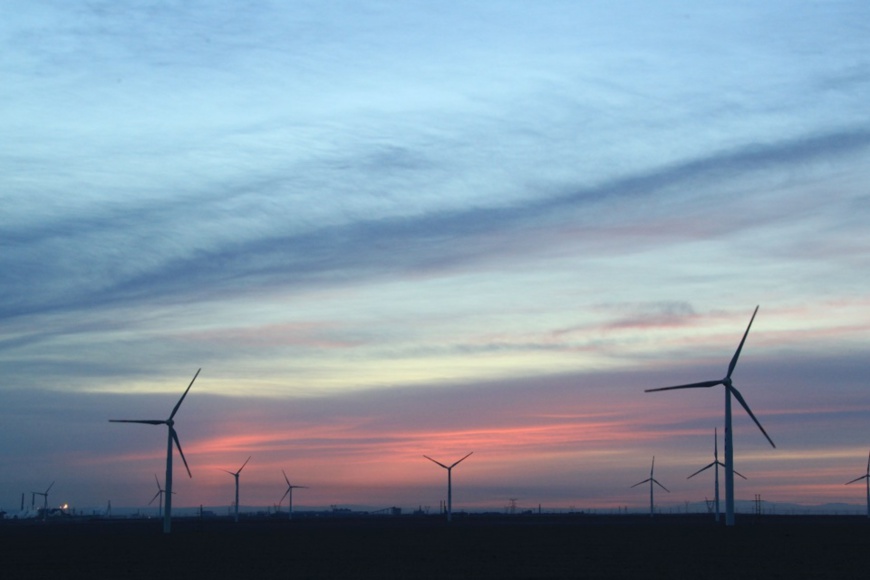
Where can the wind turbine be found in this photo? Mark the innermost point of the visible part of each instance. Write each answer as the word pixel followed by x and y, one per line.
pixel 729 447
pixel 652 480
pixel 159 494
pixel 172 437
pixel 449 482
pixel 289 494
pixel 44 495
pixel 716 463
pixel 236 476
pixel 867 478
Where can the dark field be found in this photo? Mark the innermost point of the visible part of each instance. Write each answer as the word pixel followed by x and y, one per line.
pixel 471 547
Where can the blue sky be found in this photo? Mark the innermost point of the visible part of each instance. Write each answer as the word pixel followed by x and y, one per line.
pixel 388 229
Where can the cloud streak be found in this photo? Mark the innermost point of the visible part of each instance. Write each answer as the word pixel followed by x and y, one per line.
pixel 366 249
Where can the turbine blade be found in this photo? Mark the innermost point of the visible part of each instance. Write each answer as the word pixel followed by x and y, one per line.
pixel 700 385
pixel 180 452
pixel 49 488
pixel 703 469
pixel 848 482
pixel 157 481
pixel 737 473
pixel 244 464
pixel 285 495
pixel 640 482
pixel 178 404
pixel 460 461
pixel 438 462
pixel 868 465
pixel 285 477
pixel 661 486
pixel 739 348
pixel 740 399
pixel 156 495
pixel 145 421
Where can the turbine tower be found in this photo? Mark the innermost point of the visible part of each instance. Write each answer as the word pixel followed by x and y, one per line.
pixel 172 437
pixel 729 447
pixel 652 480
pixel 449 482
pixel 236 476
pixel 716 463
pixel 289 495
pixel 867 478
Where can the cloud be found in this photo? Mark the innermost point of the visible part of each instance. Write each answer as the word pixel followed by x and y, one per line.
pixel 75 258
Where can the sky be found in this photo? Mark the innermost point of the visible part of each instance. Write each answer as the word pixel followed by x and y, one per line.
pixel 390 229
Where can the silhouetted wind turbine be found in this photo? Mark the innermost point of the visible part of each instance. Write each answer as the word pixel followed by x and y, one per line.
pixel 867 478
pixel 159 494
pixel 729 447
pixel 236 476
pixel 652 480
pixel 289 495
pixel 44 495
pixel 716 463
pixel 449 482
pixel 172 437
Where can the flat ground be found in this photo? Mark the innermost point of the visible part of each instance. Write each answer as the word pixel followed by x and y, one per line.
pixel 540 547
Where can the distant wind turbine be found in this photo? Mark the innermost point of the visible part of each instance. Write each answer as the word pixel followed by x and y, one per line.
pixel 289 495
pixel 236 477
pixel 44 495
pixel 449 482
pixel 729 447
pixel 652 480
pixel 172 437
pixel 866 477
pixel 159 494
pixel 716 463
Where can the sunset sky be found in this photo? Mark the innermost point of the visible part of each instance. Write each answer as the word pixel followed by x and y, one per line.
pixel 389 229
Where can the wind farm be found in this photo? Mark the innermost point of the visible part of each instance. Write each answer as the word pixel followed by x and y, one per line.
pixel 446 507
pixel 315 531
pixel 398 231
